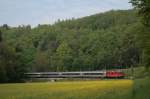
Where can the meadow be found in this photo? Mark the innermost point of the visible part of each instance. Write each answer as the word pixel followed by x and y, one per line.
pixel 100 89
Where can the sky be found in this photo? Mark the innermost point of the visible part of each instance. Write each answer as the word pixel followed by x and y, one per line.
pixel 34 12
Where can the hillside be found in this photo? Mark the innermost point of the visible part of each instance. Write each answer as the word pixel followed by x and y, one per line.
pixel 105 40
pixel 101 21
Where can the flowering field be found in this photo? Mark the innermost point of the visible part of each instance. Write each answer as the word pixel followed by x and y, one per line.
pixel 104 89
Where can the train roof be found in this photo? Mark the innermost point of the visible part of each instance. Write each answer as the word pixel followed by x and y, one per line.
pixel 74 72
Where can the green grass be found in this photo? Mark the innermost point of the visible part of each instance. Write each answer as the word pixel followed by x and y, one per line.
pixel 105 89
pixel 141 88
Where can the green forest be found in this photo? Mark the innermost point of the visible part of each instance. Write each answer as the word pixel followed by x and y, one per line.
pixel 102 41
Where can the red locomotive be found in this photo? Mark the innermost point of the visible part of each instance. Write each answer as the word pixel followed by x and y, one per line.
pixel 114 74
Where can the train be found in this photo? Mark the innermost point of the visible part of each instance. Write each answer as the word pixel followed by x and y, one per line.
pixel 78 74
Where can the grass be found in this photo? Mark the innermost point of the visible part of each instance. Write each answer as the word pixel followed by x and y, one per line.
pixel 141 88
pixel 104 89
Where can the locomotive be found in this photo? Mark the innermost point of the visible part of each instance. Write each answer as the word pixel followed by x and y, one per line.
pixel 115 74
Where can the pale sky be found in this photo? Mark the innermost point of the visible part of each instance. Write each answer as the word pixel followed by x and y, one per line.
pixel 34 12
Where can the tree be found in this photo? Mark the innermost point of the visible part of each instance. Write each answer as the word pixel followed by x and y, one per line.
pixel 64 54
pixel 3 76
pixel 5 26
pixel 41 62
pixel 1 36
pixel 11 67
pixel 143 7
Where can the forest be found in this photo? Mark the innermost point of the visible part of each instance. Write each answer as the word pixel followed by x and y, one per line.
pixel 101 41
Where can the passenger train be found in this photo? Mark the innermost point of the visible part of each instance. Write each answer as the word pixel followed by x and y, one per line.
pixel 80 74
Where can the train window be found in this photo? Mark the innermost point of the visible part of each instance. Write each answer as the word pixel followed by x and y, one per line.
pixel 50 74
pixel 71 74
pixel 93 73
